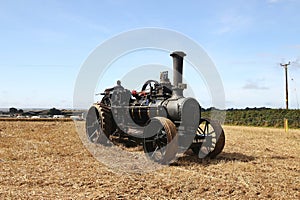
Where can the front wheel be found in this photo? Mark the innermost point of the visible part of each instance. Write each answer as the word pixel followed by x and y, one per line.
pixel 210 137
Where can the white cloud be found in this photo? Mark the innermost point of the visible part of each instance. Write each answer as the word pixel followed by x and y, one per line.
pixel 296 63
pixel 255 85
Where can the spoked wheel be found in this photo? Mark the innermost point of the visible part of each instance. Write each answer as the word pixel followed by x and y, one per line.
pixel 94 124
pixel 210 137
pixel 161 147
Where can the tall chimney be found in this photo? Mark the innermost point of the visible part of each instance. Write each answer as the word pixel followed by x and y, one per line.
pixel 177 72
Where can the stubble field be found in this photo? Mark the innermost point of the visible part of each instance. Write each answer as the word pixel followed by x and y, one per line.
pixel 47 160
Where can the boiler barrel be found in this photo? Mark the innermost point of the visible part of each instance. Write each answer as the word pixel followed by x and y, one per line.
pixel 141 114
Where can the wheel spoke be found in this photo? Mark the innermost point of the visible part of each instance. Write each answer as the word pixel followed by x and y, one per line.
pixel 210 133
pixel 206 127
pixel 92 135
pixel 153 153
pixel 162 151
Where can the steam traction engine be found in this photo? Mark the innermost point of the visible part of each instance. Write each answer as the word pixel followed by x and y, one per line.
pixel 158 117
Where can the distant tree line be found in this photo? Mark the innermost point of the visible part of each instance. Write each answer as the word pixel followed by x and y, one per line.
pixel 260 117
pixel 50 112
pixel 53 111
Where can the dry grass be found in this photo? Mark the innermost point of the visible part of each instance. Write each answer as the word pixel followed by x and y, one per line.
pixel 35 120
pixel 48 160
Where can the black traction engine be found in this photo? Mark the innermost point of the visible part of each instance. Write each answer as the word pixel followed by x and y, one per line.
pixel 158 117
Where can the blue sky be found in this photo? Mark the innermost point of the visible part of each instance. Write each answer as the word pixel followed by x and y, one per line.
pixel 44 43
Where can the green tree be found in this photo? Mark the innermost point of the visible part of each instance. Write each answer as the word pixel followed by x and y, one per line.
pixel 54 111
pixel 13 110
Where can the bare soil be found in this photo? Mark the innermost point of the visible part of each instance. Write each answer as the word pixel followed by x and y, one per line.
pixel 47 160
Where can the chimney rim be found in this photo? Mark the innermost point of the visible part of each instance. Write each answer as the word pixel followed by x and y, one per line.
pixel 178 53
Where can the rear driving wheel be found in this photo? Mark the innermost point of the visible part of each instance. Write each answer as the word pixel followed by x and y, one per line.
pixel 94 124
pixel 161 140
